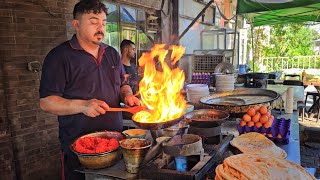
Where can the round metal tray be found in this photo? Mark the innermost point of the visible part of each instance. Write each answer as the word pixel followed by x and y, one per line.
pixel 237 102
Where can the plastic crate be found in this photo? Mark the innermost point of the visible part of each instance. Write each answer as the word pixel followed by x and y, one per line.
pixel 207 62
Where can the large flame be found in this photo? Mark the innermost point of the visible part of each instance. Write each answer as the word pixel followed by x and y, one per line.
pixel 160 90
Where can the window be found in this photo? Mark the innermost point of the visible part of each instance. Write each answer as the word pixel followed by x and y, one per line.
pixel 128 14
pixel 112 37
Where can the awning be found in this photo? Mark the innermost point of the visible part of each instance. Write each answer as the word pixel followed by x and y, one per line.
pixel 270 12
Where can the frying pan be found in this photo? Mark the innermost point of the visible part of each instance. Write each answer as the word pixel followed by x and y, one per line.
pixel 194 118
pixel 160 125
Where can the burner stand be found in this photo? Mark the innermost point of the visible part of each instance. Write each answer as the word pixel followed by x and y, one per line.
pixel 210 135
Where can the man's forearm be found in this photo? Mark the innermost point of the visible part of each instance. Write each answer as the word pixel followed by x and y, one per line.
pixel 61 106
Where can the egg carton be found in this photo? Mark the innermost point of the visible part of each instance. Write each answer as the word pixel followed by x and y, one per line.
pixel 278 132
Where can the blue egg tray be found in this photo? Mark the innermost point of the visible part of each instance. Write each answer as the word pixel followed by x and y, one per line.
pixel 278 132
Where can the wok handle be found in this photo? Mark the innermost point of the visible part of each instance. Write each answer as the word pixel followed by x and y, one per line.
pixel 118 109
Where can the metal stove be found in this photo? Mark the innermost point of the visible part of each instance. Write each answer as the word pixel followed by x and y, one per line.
pixel 197 167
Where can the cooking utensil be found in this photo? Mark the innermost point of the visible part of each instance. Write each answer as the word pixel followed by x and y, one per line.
pixel 156 149
pixel 135 133
pixel 134 150
pixel 224 67
pixel 250 96
pixel 133 110
pixel 159 125
pixel 257 75
pixel 100 160
pixel 206 118
pixel 181 127
pixel 185 145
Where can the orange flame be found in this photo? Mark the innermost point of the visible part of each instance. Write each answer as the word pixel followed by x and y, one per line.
pixel 160 90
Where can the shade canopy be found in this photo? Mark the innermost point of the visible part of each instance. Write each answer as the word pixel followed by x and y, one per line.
pixel 270 12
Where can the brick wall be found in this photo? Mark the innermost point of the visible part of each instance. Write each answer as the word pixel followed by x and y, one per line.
pixel 29 146
pixel 29 29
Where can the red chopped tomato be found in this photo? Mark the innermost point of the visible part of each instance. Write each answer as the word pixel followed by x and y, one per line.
pixel 93 145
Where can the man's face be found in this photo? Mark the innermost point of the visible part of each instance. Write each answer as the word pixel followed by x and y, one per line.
pixel 131 51
pixel 91 27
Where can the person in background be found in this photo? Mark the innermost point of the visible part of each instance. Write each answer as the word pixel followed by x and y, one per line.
pixel 81 78
pixel 128 52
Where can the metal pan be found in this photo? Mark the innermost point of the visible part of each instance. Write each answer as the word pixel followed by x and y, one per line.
pixel 160 125
pixel 229 101
pixel 201 118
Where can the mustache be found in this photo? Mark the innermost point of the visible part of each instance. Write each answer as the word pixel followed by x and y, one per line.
pixel 99 32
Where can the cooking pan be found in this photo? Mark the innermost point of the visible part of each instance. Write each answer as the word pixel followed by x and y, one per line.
pixel 160 125
pixel 206 118
pixel 257 75
pixel 232 101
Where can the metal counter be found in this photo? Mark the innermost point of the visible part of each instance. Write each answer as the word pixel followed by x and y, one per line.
pixel 292 148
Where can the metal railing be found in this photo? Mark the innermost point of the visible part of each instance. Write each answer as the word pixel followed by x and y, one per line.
pixel 295 62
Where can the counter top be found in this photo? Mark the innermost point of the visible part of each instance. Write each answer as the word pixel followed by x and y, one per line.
pixel 298 91
pixel 292 148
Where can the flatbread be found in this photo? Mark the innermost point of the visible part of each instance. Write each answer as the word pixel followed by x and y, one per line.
pixel 262 167
pixel 256 143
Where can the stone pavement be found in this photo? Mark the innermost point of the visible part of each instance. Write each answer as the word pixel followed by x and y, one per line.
pixel 310 145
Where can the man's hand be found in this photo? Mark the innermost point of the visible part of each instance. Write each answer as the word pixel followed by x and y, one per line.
pixel 94 108
pixel 131 100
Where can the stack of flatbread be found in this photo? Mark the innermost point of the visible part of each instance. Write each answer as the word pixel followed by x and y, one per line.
pixel 257 166
pixel 256 143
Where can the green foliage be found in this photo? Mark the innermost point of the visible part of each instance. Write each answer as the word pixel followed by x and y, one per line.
pixel 285 40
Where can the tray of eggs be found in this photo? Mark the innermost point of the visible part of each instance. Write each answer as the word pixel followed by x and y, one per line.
pixel 259 119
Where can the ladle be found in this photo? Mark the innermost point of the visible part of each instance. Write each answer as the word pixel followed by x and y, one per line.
pixel 132 110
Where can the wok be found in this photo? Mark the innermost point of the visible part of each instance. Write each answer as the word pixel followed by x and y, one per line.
pixel 206 118
pixel 257 75
pixel 160 125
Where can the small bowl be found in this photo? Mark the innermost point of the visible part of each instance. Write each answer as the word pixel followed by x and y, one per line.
pixel 135 133
pixel 189 108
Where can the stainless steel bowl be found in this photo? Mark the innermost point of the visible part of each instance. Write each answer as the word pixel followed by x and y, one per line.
pixel 134 150
pixel 100 160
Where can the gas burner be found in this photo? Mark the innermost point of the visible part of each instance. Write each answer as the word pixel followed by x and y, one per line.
pixel 256 83
pixel 209 135
pixel 165 167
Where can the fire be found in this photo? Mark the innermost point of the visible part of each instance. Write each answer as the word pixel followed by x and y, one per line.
pixel 160 89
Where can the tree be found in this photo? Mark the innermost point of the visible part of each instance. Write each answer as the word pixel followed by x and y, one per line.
pixel 290 40
pixel 286 40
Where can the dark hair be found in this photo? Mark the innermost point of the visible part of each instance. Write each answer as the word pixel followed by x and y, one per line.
pixel 88 6
pixel 125 43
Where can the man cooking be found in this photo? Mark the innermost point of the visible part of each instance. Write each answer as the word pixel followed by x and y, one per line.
pixel 82 78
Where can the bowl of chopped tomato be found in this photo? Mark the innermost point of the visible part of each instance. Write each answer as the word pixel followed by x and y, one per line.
pixel 98 150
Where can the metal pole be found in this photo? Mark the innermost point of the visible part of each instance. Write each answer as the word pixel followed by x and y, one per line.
pixel 252 47
pixel 194 20
pixel 234 39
